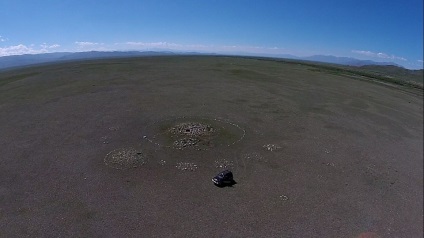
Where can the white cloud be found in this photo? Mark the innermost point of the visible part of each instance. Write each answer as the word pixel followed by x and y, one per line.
pixel 80 46
pixel 152 44
pixel 199 47
pixel 46 46
pixel 91 46
pixel 250 49
pixel 86 43
pixel 378 55
pixel 20 50
pixel 2 39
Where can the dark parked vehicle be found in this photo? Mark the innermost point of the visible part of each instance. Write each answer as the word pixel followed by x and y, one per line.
pixel 224 178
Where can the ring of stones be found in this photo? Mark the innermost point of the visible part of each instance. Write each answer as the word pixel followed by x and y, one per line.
pixel 125 158
pixel 194 133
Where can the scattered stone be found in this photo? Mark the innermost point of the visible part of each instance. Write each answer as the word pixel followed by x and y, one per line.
pixel 224 164
pixel 185 142
pixel 114 128
pixel 125 158
pixel 330 164
pixel 186 166
pixel 192 129
pixel 254 156
pixel 105 139
pixel 271 147
pixel 284 197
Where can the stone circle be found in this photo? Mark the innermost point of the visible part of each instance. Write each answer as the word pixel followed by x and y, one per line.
pixel 125 158
pixel 193 133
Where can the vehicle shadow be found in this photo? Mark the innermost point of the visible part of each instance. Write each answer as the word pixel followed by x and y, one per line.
pixel 230 184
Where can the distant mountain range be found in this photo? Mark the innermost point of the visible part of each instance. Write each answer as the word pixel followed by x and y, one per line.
pixel 345 60
pixel 29 59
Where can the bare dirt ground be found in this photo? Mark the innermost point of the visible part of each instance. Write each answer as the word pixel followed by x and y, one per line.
pixel 88 149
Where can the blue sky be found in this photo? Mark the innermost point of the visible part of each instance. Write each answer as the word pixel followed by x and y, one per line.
pixel 379 30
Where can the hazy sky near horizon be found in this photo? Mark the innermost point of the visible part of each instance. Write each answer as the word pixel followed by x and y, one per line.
pixel 379 30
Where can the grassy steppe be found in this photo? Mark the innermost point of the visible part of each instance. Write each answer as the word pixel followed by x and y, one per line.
pixel 348 155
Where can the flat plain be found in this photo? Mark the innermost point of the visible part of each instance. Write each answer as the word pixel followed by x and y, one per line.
pixel 91 149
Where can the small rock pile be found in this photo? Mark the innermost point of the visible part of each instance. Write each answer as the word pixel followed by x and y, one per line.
pixel 185 142
pixel 271 147
pixel 192 129
pixel 186 166
pixel 125 158
pixel 192 134
pixel 224 164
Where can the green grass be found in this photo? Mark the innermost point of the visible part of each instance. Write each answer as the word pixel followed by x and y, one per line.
pixel 370 75
pixel 10 79
pixel 408 80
